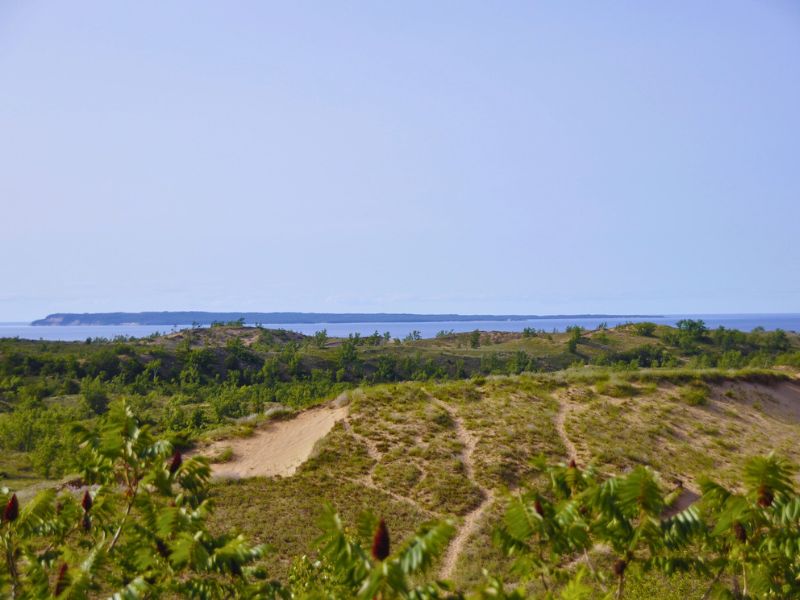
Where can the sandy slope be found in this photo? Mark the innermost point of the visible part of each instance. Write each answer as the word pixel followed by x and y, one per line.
pixel 280 447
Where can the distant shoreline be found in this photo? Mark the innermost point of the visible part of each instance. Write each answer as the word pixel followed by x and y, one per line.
pixel 170 318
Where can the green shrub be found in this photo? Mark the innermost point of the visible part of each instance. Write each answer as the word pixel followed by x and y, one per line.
pixel 617 389
pixel 695 394
pixel 95 395
pixel 223 456
pixel 645 329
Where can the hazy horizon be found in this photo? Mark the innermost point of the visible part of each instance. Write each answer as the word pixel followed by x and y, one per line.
pixel 428 158
pixel 543 315
pixel 365 324
pixel 539 316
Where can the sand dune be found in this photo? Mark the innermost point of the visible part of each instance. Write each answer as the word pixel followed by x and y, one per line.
pixel 279 448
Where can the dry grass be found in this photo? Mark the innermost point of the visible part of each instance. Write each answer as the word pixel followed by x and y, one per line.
pixel 398 453
pixel 682 438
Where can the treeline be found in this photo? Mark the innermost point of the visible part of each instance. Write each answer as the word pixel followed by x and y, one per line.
pixel 693 345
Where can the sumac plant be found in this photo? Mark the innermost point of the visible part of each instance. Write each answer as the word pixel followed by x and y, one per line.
pixel 365 565
pixel 585 529
pixel 135 528
pixel 753 541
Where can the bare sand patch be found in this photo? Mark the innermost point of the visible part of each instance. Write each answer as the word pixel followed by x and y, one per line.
pixel 279 448
pixel 781 401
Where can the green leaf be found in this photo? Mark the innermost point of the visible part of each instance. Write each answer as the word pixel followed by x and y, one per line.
pixel 521 520
pixel 135 590
pixel 639 492
pixel 769 471
pixel 417 554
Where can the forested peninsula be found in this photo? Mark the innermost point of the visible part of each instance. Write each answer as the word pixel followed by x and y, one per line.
pixel 281 318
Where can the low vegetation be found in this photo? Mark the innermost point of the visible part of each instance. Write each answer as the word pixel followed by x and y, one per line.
pixel 443 439
pixel 135 526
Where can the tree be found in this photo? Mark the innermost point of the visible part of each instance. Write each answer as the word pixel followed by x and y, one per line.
pixel 386 369
pixel 575 332
pixel 348 360
pixel 519 362
pixel 94 394
pixel 321 338
pixel 413 336
pixel 776 341
pixel 645 329
pixel 694 328
pixel 475 339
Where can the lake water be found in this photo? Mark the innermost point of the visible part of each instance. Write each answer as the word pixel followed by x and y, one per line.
pixel 744 322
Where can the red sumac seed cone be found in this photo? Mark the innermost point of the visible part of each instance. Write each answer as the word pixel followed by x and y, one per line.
pixel 380 542
pixel 537 506
pixel 619 567
pixel 740 532
pixel 61 580
pixel 11 511
pixel 86 503
pixel 765 496
pixel 176 462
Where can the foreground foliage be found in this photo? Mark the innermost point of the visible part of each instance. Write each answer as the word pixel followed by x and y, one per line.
pixel 137 528
pixel 745 544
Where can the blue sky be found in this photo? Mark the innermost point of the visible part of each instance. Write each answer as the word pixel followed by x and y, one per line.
pixel 411 156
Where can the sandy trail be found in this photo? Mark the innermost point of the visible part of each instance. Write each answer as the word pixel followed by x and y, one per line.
pixel 471 520
pixel 279 448
pixel 686 498
pixel 561 418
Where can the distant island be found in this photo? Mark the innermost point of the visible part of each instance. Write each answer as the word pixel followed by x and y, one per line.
pixel 285 318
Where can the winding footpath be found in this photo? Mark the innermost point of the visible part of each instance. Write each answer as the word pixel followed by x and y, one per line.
pixel 561 418
pixel 472 519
